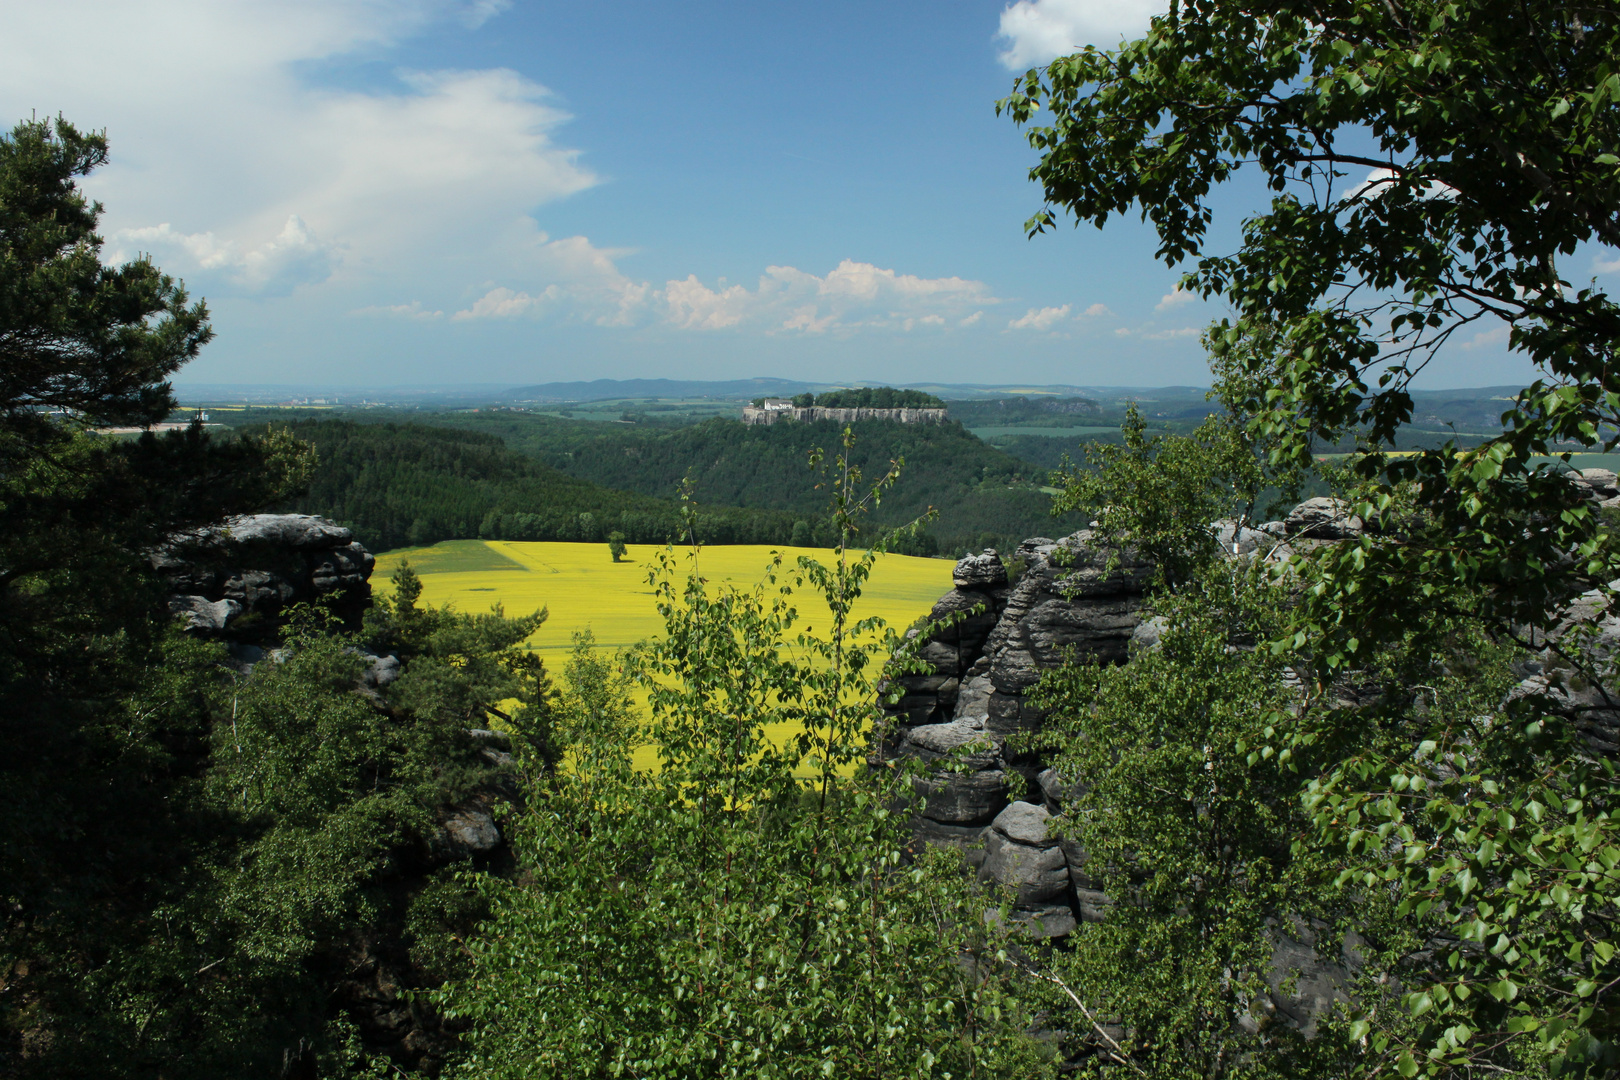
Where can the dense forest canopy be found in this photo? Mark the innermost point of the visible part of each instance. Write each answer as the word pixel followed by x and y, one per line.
pixel 878 397
pixel 518 476
pixel 403 485
pixel 866 397
pixel 985 498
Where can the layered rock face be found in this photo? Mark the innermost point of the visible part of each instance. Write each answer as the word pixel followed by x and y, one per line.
pixel 242 576
pixel 1068 597
pixel 956 717
pixel 995 802
pixel 1577 672
pixel 752 415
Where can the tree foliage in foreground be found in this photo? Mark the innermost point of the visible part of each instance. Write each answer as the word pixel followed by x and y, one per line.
pixel 747 909
pixel 1492 136
pixel 1442 846
pixel 1435 167
pixel 1196 826
pixel 199 871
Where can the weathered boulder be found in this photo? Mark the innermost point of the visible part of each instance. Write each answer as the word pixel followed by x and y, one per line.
pixel 1025 823
pixel 1575 674
pixel 960 741
pixel 202 614
pixel 238 578
pixel 963 798
pixel 985 571
pixel 1055 790
pixel 1021 858
pixel 1039 875
pixel 1234 539
pixel 380 670
pixel 1323 518
pixel 300 532
pixel 469 830
pixel 1598 484
pixel 1304 986
pixel 1148 633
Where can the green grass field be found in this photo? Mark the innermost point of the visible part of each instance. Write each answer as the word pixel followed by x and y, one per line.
pixel 1077 433
pixel 1590 461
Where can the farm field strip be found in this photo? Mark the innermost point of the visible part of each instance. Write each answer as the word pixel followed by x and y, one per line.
pixel 582 588
pixel 1054 432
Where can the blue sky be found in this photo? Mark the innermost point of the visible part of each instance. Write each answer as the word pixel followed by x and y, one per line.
pixel 483 191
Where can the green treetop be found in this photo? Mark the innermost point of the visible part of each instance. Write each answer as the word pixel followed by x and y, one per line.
pixel 1434 168
pixel 81 337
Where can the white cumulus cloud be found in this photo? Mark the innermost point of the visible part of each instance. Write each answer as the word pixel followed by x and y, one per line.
pixel 1037 31
pixel 504 303
pixel 588 286
pixel 1175 298
pixel 479 12
pixel 251 175
pixel 1491 337
pixel 853 295
pixel 292 257
pixel 1040 318
pixel 1149 332
pixel 412 310
pixel 570 277
pixel 1379 182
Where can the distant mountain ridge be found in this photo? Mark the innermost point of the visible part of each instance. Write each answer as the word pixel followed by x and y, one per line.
pixel 609 389
pixel 733 389
pixel 1471 405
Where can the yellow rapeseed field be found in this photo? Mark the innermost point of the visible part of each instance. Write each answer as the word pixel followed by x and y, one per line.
pixel 582 588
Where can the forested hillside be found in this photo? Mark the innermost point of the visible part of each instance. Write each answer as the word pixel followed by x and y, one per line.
pixel 984 497
pixel 399 484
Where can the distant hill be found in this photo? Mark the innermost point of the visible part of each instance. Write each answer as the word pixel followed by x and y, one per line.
pixel 984 497
pixel 412 484
pixel 746 389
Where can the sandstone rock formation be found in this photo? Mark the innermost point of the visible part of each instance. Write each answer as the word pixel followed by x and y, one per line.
pixel 242 576
pixel 998 636
pixel 1600 485
pixel 1576 673
pixel 1322 518
pixel 234 583
pixel 752 415
pixel 1006 623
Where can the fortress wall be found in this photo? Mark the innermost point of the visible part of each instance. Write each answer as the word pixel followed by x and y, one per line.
pixel 751 415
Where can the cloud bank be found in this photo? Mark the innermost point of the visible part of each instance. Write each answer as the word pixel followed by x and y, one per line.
pixel 786 300
pixel 248 176
pixel 1038 31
